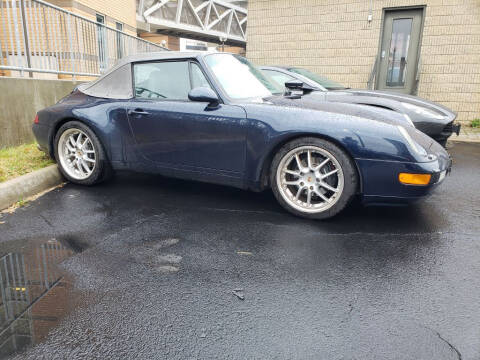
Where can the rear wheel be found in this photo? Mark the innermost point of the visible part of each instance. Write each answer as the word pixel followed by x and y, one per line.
pixel 313 178
pixel 80 155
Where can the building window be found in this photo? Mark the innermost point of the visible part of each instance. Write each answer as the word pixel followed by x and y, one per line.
pixel 118 38
pixel 102 44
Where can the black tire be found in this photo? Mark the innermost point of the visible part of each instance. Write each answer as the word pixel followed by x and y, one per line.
pixel 350 176
pixel 102 170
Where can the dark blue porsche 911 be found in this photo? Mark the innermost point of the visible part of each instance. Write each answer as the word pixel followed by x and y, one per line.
pixel 216 118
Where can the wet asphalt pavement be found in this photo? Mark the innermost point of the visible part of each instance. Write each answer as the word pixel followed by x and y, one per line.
pixel 158 268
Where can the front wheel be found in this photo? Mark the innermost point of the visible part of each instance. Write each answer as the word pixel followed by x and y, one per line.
pixel 313 178
pixel 80 155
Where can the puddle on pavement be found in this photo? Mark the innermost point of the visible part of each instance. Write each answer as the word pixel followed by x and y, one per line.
pixel 34 294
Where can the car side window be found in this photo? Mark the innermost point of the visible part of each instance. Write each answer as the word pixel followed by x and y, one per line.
pixel 162 80
pixel 278 77
pixel 198 78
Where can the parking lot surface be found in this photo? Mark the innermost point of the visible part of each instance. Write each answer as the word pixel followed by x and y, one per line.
pixel 161 268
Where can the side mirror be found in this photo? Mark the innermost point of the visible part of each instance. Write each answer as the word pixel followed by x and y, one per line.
pixel 294 85
pixel 299 85
pixel 204 94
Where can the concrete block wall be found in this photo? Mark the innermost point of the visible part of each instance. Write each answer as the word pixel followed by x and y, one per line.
pixel 20 99
pixel 334 38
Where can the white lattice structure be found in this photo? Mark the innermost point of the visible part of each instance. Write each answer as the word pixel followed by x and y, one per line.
pixel 206 19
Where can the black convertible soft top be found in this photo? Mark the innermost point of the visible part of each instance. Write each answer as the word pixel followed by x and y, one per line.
pixel 117 82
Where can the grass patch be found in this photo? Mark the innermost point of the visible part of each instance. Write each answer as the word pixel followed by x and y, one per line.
pixel 20 160
pixel 475 123
pixel 21 203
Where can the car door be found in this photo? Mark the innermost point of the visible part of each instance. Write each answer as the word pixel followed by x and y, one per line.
pixel 172 131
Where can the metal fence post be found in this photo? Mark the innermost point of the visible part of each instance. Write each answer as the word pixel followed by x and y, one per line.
pixel 45 269
pixel 4 294
pixel 17 36
pixel 25 36
pixel 70 46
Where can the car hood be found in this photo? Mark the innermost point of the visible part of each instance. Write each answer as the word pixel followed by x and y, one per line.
pixel 394 96
pixel 316 101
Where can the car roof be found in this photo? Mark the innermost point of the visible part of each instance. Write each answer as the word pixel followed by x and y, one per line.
pixel 160 55
pixel 276 67
pixel 116 83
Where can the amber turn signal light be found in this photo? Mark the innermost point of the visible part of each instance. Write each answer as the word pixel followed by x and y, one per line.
pixel 414 179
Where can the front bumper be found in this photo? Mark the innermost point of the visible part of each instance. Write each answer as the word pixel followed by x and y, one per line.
pixel 446 132
pixel 380 183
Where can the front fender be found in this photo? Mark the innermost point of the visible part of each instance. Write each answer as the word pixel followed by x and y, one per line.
pixel 270 127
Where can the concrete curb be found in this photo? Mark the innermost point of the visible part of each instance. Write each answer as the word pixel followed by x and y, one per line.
pixel 463 140
pixel 28 185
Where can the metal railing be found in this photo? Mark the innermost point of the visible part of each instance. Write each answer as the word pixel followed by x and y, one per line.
pixel 38 37
pixel 373 74
pixel 417 75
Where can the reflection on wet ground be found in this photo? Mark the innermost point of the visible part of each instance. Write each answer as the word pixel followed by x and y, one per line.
pixel 33 294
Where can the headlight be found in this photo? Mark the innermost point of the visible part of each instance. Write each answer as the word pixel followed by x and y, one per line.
pixel 423 111
pixel 415 147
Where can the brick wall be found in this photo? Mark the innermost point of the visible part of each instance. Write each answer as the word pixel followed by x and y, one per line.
pixel 334 38
pixel 234 50
pixel 123 11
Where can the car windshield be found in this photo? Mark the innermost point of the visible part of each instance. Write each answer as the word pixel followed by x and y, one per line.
pixel 239 78
pixel 326 83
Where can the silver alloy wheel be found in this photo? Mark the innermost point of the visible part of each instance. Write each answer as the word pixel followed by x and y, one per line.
pixel 310 179
pixel 77 154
